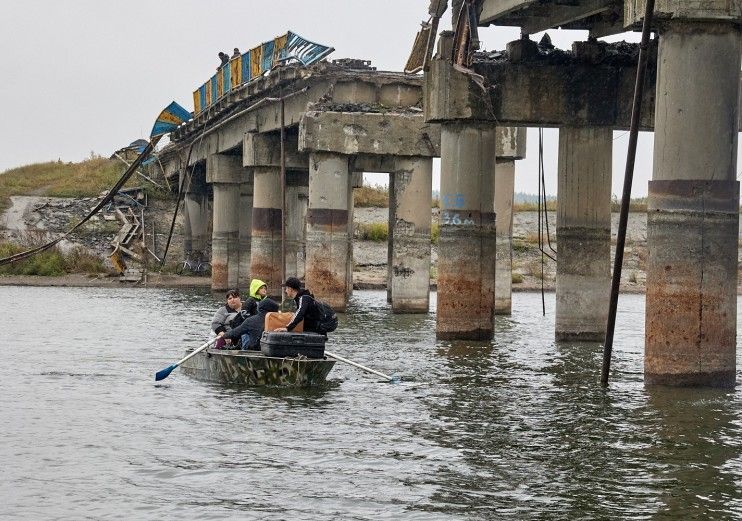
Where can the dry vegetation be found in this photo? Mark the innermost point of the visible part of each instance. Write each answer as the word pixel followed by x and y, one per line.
pixel 56 179
pixel 51 262
pixel 371 196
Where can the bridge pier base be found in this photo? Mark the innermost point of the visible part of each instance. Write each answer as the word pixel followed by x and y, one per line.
pixel 693 214
pixel 196 216
pixel 329 229
pixel 296 186
pixel 265 254
pixel 245 233
pixel 225 173
pixel 583 233
pixel 504 192
pixel 466 250
pixel 411 184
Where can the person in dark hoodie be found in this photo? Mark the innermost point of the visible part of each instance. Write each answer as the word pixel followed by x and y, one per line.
pixel 306 308
pixel 252 327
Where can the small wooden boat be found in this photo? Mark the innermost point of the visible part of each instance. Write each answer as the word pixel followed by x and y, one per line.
pixel 288 359
pixel 254 368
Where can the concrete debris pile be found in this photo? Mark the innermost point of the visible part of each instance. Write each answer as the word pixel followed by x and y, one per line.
pixel 592 51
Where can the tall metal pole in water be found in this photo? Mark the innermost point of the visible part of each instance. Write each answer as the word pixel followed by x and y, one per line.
pixel 636 110
pixel 283 199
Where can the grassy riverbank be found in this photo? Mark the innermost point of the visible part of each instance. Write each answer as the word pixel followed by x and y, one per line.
pixel 56 179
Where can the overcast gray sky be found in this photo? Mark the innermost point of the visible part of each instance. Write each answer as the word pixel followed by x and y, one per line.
pixel 82 76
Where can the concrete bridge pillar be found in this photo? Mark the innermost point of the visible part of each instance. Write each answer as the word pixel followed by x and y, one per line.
pixel 265 263
pixel 226 174
pixel 245 231
pixel 693 214
pixel 583 233
pixel 466 251
pixel 504 192
pixel 296 183
pixel 329 229
pixel 303 207
pixel 196 216
pixel 411 184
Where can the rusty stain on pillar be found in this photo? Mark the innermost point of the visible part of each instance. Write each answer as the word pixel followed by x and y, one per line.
pixel 466 250
pixel 583 233
pixel 693 210
pixel 265 263
pixel 225 173
pixel 328 238
pixel 504 192
pixel 410 243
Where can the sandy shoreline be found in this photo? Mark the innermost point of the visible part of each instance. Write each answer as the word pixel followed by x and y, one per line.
pixel 155 280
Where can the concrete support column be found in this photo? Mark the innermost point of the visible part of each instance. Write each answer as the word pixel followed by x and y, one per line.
pixel 410 240
pixel 225 173
pixel 196 216
pixel 245 232
pixel 466 251
pixel 296 182
pixel 329 228
pixel 197 213
pixel 265 263
pixel 583 233
pixel 504 193
pixel 303 207
pixel 225 237
pixel 692 221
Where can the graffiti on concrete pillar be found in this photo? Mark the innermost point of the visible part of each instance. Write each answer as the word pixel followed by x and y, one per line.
pixel 455 201
pixel 449 215
pixel 403 271
pixel 454 219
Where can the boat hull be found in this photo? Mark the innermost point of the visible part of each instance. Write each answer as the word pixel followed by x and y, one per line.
pixel 254 368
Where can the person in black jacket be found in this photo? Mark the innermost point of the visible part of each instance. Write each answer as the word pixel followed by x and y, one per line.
pixel 306 309
pixel 253 327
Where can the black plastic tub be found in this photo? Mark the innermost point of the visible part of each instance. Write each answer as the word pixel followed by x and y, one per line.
pixel 310 345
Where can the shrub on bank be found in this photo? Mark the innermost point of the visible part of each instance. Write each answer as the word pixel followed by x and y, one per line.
pixel 377 232
pixel 435 233
pixel 371 196
pixel 50 263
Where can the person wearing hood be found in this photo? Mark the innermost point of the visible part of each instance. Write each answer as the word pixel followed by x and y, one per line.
pixel 258 291
pixel 250 331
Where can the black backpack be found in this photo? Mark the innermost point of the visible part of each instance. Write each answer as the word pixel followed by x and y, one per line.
pixel 327 320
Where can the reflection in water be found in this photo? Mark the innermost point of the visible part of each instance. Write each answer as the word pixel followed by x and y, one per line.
pixel 513 428
pixel 538 438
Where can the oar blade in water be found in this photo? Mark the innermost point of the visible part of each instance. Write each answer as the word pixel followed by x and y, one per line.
pixel 161 375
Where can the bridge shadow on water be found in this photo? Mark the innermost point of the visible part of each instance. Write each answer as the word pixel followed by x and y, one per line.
pixel 537 437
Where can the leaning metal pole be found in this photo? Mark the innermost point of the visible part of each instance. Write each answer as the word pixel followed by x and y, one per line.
pixel 636 110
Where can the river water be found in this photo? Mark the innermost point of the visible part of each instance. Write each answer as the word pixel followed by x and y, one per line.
pixel 516 428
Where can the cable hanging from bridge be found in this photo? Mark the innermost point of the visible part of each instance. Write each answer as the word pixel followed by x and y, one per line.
pixel 543 217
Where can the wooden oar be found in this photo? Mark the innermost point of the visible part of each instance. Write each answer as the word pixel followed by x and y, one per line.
pixel 161 375
pixel 393 379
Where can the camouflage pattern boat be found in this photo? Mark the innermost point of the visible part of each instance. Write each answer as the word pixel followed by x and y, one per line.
pixel 254 368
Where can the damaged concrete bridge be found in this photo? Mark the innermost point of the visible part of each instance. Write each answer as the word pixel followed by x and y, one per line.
pixel 691 100
pixel 339 119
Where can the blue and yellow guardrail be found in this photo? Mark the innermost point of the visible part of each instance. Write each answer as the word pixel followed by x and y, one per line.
pixel 254 63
